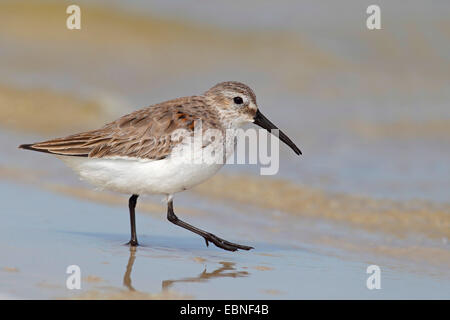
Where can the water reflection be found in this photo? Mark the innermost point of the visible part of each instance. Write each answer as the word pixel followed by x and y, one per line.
pixel 226 270
pixel 127 275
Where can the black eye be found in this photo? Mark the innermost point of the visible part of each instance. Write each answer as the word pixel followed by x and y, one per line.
pixel 238 100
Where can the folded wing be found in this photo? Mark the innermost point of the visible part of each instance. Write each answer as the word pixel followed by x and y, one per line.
pixel 145 133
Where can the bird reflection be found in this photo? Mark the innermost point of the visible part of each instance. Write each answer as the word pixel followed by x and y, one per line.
pixel 127 275
pixel 226 270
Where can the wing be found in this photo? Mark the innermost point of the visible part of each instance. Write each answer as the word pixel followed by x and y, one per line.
pixel 143 134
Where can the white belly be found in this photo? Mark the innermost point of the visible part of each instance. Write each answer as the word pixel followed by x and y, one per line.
pixel 133 176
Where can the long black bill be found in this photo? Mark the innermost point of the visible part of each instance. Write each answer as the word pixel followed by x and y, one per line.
pixel 265 123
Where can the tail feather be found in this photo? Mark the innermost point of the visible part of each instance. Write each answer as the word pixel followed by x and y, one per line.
pixel 27 147
pixel 31 147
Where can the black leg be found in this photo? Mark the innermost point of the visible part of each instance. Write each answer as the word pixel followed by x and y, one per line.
pixel 221 243
pixel 132 205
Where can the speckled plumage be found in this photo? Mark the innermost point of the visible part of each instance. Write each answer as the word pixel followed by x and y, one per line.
pixel 140 154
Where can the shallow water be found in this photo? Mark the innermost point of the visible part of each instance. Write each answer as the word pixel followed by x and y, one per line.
pixel 39 242
pixel 368 109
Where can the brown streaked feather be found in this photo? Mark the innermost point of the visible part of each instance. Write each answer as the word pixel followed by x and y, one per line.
pixel 143 134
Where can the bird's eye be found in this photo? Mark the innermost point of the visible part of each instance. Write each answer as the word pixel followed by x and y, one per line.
pixel 238 100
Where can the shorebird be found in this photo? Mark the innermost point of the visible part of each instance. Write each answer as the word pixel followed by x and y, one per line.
pixel 140 153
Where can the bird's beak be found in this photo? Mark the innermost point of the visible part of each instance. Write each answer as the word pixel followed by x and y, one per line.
pixel 265 123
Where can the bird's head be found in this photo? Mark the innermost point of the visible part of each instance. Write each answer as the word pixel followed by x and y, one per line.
pixel 236 104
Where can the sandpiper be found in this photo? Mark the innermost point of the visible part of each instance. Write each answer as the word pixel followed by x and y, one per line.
pixel 138 154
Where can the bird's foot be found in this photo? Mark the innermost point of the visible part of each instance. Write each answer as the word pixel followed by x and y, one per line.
pixel 224 244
